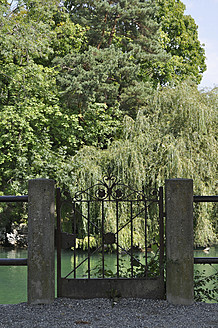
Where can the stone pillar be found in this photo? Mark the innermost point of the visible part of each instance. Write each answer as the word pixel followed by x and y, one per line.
pixel 179 241
pixel 41 254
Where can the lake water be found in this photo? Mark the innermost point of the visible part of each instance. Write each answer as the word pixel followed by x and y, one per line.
pixel 13 279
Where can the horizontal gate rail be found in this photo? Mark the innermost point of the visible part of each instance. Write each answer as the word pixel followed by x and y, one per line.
pixel 13 262
pixel 7 199
pixel 206 260
pixel 202 199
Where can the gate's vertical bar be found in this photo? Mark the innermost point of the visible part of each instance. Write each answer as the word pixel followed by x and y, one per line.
pixel 117 226
pixel 131 240
pixel 102 233
pixel 88 240
pixel 146 243
pixel 74 231
pixel 58 211
pixel 161 232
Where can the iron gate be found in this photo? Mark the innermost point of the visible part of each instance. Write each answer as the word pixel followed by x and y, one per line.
pixel 115 214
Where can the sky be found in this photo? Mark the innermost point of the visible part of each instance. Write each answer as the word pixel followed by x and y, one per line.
pixel 205 14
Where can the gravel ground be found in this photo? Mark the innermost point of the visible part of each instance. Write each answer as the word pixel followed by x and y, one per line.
pixel 68 313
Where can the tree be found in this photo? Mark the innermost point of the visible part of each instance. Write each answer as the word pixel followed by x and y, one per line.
pixel 124 23
pixel 116 22
pixel 121 36
pixel 131 46
pixel 106 76
pixel 35 134
pixel 172 137
pixel 179 38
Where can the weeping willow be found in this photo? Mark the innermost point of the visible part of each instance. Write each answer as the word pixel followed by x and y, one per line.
pixel 173 136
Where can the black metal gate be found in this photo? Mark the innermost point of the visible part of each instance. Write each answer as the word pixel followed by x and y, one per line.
pixel 121 220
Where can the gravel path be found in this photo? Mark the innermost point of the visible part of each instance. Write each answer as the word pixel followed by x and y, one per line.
pixel 99 313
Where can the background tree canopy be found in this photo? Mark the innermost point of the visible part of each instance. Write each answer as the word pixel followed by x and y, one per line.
pixel 87 86
pixel 173 136
pixel 179 37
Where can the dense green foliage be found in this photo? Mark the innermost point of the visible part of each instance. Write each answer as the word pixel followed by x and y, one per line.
pixel 203 293
pixel 83 90
pixel 179 37
pixel 131 47
pixel 114 66
pixel 172 137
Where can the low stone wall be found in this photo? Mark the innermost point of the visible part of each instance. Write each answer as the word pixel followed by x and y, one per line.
pixel 104 288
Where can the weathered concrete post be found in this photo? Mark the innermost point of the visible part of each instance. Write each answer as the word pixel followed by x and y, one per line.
pixel 41 256
pixel 179 241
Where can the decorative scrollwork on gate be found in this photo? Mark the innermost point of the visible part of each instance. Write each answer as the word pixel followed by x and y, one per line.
pixel 109 188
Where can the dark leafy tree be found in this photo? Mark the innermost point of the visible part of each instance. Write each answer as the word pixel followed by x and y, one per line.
pixel 179 38
pixel 116 22
pixel 35 135
pixel 106 76
pixel 121 37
